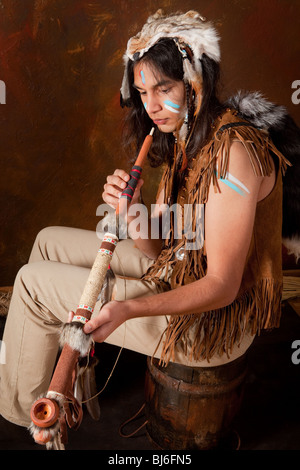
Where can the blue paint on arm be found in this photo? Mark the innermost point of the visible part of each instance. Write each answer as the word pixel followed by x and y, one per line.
pixel 233 186
pixel 230 181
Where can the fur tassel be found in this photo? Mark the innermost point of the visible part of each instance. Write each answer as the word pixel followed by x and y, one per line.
pixel 293 246
pixel 55 444
pixel 116 225
pixel 73 335
pixel 257 110
pixel 51 433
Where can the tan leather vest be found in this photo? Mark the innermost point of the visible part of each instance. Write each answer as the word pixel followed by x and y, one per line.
pixel 258 303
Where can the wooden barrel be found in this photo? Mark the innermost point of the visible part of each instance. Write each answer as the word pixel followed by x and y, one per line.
pixel 192 408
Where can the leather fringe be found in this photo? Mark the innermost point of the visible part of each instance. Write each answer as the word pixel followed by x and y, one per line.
pixel 216 332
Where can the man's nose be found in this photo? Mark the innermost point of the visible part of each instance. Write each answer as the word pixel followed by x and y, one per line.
pixel 153 104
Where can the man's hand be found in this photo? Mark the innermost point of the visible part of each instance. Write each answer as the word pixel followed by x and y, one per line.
pixel 115 185
pixel 110 317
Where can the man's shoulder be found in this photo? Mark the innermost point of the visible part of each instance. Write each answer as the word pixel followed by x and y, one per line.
pixel 230 119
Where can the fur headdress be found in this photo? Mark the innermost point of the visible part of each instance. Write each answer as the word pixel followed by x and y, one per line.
pixel 188 30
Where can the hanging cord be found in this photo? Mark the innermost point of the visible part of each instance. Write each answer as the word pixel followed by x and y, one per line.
pixel 111 373
pixel 143 406
pixel 238 446
pixel 130 420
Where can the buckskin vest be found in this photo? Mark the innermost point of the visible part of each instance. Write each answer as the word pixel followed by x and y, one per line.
pixel 258 303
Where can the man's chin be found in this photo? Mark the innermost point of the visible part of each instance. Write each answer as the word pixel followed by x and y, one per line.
pixel 166 128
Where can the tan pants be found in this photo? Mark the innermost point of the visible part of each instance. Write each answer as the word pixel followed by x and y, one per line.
pixel 45 290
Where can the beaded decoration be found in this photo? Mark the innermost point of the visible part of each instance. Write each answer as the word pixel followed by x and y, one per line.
pixel 80 319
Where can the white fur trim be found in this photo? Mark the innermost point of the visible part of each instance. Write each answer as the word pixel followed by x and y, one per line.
pixel 49 433
pixel 59 397
pixel 52 431
pixel 254 107
pixel 293 246
pixel 113 224
pixel 74 336
pixel 189 29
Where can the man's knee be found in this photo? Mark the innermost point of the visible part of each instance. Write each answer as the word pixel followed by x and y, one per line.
pixel 47 234
pixel 25 276
pixel 45 239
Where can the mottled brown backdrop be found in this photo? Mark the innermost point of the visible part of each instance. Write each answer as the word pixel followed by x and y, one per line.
pixel 61 62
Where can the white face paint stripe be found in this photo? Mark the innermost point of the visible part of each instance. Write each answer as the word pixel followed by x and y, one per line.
pixel 170 106
pixel 171 109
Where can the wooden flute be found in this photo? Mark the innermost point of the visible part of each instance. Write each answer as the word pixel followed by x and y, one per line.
pixel 50 414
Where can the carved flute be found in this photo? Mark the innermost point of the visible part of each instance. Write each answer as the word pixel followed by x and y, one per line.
pixel 50 414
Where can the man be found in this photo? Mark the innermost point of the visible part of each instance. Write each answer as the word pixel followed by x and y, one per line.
pixel 196 301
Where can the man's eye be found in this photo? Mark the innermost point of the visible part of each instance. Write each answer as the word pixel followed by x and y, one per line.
pixel 165 90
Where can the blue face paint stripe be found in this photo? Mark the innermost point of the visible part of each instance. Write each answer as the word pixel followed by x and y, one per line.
pixel 173 105
pixel 143 77
pixel 145 105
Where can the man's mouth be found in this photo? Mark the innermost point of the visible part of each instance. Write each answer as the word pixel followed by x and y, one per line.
pixel 160 122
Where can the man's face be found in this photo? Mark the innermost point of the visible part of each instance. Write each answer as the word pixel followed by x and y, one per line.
pixel 162 97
